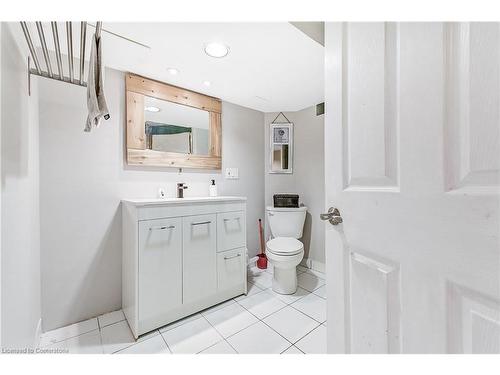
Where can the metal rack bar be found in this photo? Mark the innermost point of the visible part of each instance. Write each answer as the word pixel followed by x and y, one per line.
pixel 78 78
pixel 83 35
pixel 31 47
pixel 55 35
pixel 44 48
pixel 69 41
pixel 98 29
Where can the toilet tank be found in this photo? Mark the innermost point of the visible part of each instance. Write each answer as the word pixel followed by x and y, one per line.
pixel 286 222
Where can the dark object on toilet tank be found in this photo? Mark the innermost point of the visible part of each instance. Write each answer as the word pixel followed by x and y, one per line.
pixel 286 200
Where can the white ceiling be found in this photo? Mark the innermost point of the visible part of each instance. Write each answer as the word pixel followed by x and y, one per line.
pixel 271 66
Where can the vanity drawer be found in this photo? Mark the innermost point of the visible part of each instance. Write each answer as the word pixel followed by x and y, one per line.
pixel 231 230
pixel 231 269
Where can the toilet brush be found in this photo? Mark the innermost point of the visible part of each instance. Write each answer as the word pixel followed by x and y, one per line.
pixel 262 261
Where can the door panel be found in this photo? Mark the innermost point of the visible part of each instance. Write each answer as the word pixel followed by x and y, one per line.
pixel 411 160
pixel 160 260
pixel 199 263
pixel 370 87
pixel 375 288
pixel 472 131
pixel 474 321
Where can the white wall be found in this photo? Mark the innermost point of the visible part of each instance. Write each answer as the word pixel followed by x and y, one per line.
pixel 307 179
pixel 84 176
pixel 20 274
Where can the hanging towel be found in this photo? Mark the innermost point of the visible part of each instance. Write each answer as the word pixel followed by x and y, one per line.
pixel 96 103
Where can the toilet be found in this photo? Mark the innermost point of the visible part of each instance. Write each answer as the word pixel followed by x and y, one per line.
pixel 284 251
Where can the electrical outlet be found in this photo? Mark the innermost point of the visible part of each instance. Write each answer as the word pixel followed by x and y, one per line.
pixel 232 173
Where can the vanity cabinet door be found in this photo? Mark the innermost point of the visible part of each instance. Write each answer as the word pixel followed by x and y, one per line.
pixel 231 230
pixel 160 268
pixel 199 265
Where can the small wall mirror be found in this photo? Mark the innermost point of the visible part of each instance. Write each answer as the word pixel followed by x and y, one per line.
pixel 281 144
pixel 171 126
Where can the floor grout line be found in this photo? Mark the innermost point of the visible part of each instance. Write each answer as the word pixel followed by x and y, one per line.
pixel 316 320
pixel 216 330
pixel 293 343
pixel 292 346
pixel 296 341
pixel 303 352
pixel 289 303
pixel 259 319
pixel 67 338
pixel 136 340
pixel 70 338
pixel 233 334
pixel 286 349
pixel 166 343
pixel 262 320
pixel 305 336
pixel 277 331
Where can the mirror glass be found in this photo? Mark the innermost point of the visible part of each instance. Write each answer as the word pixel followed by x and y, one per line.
pixel 280 157
pixel 172 127
pixel 281 142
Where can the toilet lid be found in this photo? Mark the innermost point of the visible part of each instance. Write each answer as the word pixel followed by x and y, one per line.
pixel 284 246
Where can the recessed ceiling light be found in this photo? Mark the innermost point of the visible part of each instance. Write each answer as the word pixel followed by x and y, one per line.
pixel 216 49
pixel 152 109
pixel 206 83
pixel 173 71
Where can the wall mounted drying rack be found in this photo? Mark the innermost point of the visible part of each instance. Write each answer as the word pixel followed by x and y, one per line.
pixel 48 72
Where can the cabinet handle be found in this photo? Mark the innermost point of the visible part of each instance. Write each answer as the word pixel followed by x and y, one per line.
pixel 234 256
pixel 161 228
pixel 201 222
pixel 234 218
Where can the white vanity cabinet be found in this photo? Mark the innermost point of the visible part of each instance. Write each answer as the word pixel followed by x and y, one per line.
pixel 181 256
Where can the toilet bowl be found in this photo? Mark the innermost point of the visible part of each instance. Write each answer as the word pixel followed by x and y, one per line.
pixel 284 251
pixel 285 254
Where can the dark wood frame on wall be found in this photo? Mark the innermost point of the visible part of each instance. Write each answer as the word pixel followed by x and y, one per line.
pixel 137 88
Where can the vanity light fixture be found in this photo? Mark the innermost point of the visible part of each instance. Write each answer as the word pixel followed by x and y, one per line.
pixel 173 71
pixel 152 109
pixel 216 50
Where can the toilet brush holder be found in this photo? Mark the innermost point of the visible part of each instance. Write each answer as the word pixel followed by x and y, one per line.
pixel 262 261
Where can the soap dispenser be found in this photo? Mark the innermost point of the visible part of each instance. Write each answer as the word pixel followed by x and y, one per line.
pixel 213 189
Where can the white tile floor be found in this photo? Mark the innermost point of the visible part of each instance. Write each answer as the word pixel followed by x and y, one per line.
pixel 261 322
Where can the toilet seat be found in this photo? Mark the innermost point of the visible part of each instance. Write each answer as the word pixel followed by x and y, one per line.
pixel 284 246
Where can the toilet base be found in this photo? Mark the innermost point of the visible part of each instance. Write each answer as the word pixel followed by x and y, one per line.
pixel 285 280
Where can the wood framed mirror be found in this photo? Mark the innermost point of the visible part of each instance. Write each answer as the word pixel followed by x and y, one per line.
pixel 168 126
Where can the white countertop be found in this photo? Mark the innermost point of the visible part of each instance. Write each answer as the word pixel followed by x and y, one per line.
pixel 158 201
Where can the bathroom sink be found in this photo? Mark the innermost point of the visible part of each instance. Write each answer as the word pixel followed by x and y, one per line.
pixel 153 201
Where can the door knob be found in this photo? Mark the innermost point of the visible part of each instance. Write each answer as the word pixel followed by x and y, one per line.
pixel 333 216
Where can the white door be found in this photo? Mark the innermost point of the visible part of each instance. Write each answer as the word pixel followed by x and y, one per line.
pixel 412 163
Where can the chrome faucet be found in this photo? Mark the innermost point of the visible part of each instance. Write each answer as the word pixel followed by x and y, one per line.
pixel 180 189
